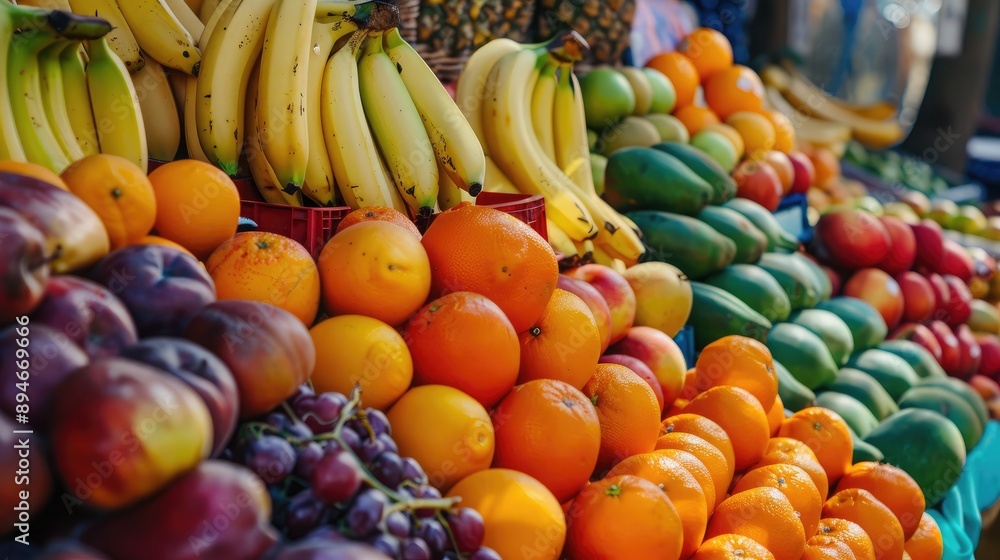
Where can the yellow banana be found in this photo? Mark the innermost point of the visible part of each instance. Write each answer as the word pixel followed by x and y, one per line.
pixel 496 181
pixel 471 92
pixel 121 38
pixel 190 97
pixel 47 4
pixel 602 257
pixel 450 194
pixel 261 171
pixel 54 99
pixel 194 26
pixel 560 242
pixel 76 96
pixel 161 35
pixel 10 142
pixel 543 100
pixel 120 128
pixel 36 133
pixel 207 9
pixel 194 5
pixel 159 111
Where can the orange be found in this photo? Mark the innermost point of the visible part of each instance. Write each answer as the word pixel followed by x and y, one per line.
pixel 376 269
pixel 708 50
pixel 564 343
pixel 680 486
pixel 731 134
pixel 741 362
pixel 378 213
pixel 197 205
pixel 518 511
pixel 841 530
pixel 712 458
pixel 482 250
pixel 782 450
pixel 826 164
pixel 794 483
pixel 764 515
pixel 676 408
pixel 549 430
pixel 269 268
pixel 703 428
pixel 826 433
pixel 33 170
pixel 926 542
pixel 119 192
pixel 695 118
pixel 682 74
pixel 861 507
pixel 734 89
pixel 756 130
pixel 157 240
pixel 357 350
pixel 739 413
pixel 445 430
pixel 893 487
pixel 827 550
pixel 776 416
pixel 784 131
pixel 628 411
pixel 623 517
pixel 464 340
pixel 690 389
pixel 698 470
pixel 732 547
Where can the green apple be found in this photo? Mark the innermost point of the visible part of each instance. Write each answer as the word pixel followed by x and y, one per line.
pixel 598 164
pixel 671 128
pixel 718 147
pixel 607 97
pixel 641 87
pixel 943 211
pixel 664 95
pixel 970 220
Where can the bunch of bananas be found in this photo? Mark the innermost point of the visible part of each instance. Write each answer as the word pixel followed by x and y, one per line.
pixel 525 105
pixel 64 94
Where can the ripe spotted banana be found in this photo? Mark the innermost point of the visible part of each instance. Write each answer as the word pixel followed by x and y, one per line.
pixel 207 9
pixel 159 111
pixel 450 194
pixel 54 100
pixel 542 104
pixel 349 143
pixel 120 128
pixel 76 96
pixel 121 38
pixel 471 92
pixel 11 147
pixel 36 133
pixel 161 35
pixel 194 26
pixel 560 242
pixel 455 144
pixel 261 171
pixel 515 149
pixel 497 181
pixel 398 128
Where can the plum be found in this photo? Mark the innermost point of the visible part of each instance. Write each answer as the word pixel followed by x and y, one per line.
pixel 88 314
pixel 24 266
pixel 51 357
pixel 22 473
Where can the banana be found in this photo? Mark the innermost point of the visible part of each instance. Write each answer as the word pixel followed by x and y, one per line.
pixel 284 78
pixel 207 9
pixel 458 150
pixel 159 111
pixel 515 149
pixel 879 111
pixel 584 249
pixel 354 157
pixel 54 99
pixel 496 181
pixel 11 147
pixel 120 128
pixel 320 184
pixel 560 242
pixel 194 5
pixel 76 96
pixel 190 93
pixel 121 38
pixel 807 129
pixel 543 100
pixel 37 135
pixel 161 35
pixel 261 171
pixel 194 26
pixel 471 92
pixel 398 129
pixel 602 257
pixel 450 194
pixel 47 4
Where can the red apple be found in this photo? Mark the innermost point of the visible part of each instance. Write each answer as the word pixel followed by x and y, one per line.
pixel 88 314
pixel 970 354
pixel 27 484
pixel 641 369
pixel 942 295
pixel 951 351
pixel 904 246
pixel 805 172
pixel 959 301
pixel 920 334
pixel 918 296
pixel 851 238
pixel 956 261
pixel 51 356
pixel 880 290
pixel 759 182
pixel 617 294
pixel 24 267
pixel 930 244
pixel 986 387
pixel 989 365
pixel 782 165
pixel 595 301
pixel 660 353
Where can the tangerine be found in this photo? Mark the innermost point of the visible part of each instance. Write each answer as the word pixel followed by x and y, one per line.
pixel 926 542
pixel 764 515
pixel 783 450
pixel 681 72
pixel 708 454
pixel 695 118
pixel 734 89
pixel 698 470
pixel 841 530
pixel 776 416
pixel 732 547
pixel 756 130
pixel 628 412
pixel 784 131
pixel 826 433
pixel 738 361
pixel 893 487
pixel 795 484
pixel 861 507
pixel 709 51
pixel 703 428
pixel 739 413
pixel 378 213
pixel 564 343
pixel 827 550
pixel 197 205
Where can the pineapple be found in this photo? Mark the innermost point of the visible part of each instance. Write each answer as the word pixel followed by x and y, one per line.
pixel 606 24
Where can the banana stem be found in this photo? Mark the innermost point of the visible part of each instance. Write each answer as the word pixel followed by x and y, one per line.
pixel 568 47
pixel 376 16
pixel 64 24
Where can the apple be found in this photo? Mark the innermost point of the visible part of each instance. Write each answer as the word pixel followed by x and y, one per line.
pixel 617 294
pixel 805 172
pixel 920 334
pixel 851 238
pixel 268 350
pixel 959 302
pixel 663 296
pixel 880 290
pixel 759 182
pixel 917 200
pixel 51 357
pixel 951 351
pixel 200 370
pixel 641 369
pixel 88 314
pixel 595 301
pixel 956 261
pixel 942 295
pixel 989 364
pixel 24 267
pixel 902 211
pixel 919 302
pixel 782 165
pixel 660 354
pixel 930 244
pixel 22 494
pixel 970 353
pixel 161 286
pixel 904 246
pixel 218 510
pixel 943 211
pixel 122 430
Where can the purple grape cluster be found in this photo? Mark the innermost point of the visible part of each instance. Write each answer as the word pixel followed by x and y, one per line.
pixel 329 464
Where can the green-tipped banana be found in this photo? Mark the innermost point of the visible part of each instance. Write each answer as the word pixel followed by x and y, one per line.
pixel 121 39
pixel 76 96
pixel 542 103
pixel 36 133
pixel 54 100
pixel 120 129
pixel 261 171
pixel 161 35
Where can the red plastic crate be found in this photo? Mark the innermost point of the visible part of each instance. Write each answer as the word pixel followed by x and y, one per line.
pixel 527 208
pixel 312 227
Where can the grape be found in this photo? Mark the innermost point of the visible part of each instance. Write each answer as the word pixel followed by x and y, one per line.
pixel 388 469
pixel 371 449
pixel 287 426
pixel 426 492
pixel 358 426
pixel 304 514
pixel 364 515
pixel 309 455
pixel 301 391
pixel 351 439
pixel 485 553
pixel 388 443
pixel 413 471
pixel 398 524
pixel 468 529
pixel 378 421
pixel 416 549
pixel 271 457
pixel 336 477
pixel 324 412
pixel 387 544
pixel 434 535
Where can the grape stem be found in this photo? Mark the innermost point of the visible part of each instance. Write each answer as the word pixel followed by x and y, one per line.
pixel 447 529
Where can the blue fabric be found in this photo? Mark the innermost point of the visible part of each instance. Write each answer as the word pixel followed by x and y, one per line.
pixel 977 489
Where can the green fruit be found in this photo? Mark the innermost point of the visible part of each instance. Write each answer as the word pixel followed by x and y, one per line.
pixel 664 94
pixel 630 132
pixel 950 405
pixel 638 179
pixel 794 395
pixel 641 87
pixel 917 356
pixel 690 245
pixel 858 417
pixel 718 147
pixel 892 372
pixel 777 238
pixel 943 211
pixel 750 241
pixel 964 390
pixel 866 390
pixel 830 328
pixel 823 285
pixel 926 445
pixel 970 220
pixel 864 451
pixel 723 186
pixel 670 127
pixel 592 138
pixel 803 353
pixel 598 164
pixel 607 97
pixel 721 314
pixel 754 287
pixel 866 324
pixel 795 278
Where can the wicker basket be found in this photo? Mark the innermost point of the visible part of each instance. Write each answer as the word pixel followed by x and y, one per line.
pixel 606 24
